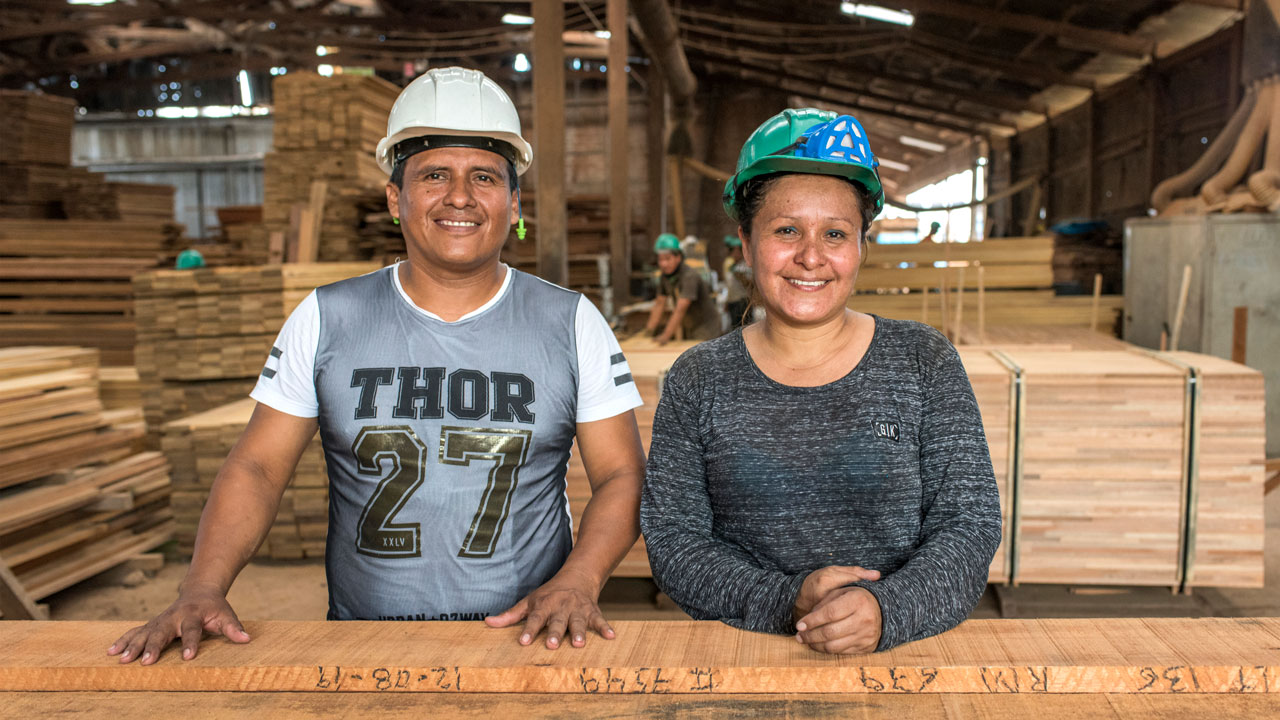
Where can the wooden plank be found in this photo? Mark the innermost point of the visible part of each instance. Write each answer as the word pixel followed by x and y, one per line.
pixel 1122 656
pixel 15 602
pixel 794 706
pixel 549 138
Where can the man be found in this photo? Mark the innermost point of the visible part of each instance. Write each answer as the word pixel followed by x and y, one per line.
pixel 447 391
pixel 737 278
pixel 934 227
pixel 695 304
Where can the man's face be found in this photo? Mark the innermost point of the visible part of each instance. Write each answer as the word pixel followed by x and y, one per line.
pixel 456 208
pixel 668 262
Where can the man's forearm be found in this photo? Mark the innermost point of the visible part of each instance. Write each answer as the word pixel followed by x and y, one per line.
pixel 677 317
pixel 241 508
pixel 610 526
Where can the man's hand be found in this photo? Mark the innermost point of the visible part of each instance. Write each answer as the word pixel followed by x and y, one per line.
pixel 846 622
pixel 663 339
pixel 564 602
pixel 197 609
pixel 824 580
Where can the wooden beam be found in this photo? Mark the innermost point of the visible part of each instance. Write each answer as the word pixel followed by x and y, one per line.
pixel 1121 656
pixel 619 167
pixel 15 603
pixel 963 54
pixel 655 162
pixel 1100 40
pixel 549 139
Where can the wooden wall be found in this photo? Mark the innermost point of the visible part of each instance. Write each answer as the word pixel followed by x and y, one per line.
pixel 1103 158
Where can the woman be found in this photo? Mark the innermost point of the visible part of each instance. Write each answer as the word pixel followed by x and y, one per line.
pixel 822 472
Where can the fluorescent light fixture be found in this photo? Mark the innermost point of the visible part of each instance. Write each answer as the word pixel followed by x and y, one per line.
pixel 90 2
pixel 894 165
pixel 325 70
pixel 322 50
pixel 246 92
pixel 922 144
pixel 513 19
pixel 522 63
pixel 603 34
pixel 876 12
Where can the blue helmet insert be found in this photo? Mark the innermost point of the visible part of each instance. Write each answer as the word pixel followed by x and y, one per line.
pixel 839 140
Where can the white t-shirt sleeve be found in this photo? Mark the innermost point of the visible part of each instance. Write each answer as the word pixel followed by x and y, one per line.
pixel 605 387
pixel 287 382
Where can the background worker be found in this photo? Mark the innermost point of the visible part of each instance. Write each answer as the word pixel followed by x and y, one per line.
pixel 934 227
pixel 448 391
pixel 695 303
pixel 737 278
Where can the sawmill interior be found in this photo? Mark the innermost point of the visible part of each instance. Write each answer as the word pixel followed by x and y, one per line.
pixel 1080 213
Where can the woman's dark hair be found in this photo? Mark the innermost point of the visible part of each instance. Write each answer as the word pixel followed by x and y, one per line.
pixel 754 191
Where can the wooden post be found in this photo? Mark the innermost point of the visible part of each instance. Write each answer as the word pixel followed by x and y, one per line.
pixel 942 295
pixel 1176 335
pixel 308 248
pixel 1097 298
pixel 655 139
pixel 959 307
pixel 982 306
pixel 548 139
pixel 924 305
pixel 677 203
pixel 1033 210
pixel 619 173
pixel 1240 334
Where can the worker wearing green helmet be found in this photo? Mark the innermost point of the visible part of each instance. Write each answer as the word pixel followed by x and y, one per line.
pixel 821 473
pixel 737 278
pixel 694 316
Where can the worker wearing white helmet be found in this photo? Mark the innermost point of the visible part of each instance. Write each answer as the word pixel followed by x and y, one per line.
pixel 448 390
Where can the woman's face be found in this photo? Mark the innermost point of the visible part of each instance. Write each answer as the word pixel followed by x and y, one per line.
pixel 805 248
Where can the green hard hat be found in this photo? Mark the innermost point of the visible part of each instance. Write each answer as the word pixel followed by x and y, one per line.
pixel 189 259
pixel 935 226
pixel 667 242
pixel 733 241
pixel 806 140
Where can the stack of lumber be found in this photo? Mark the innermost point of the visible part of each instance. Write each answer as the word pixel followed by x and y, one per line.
pixel 76 495
pixel 1095 472
pixel 36 191
pixel 120 387
pixel 326 129
pixel 937 283
pixel 198 445
pixel 68 300
pixel 242 238
pixel 134 202
pixel 204 335
pixel 37 128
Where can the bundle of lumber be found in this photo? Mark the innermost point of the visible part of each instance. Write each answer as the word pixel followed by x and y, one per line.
pixel 326 130
pixel 119 387
pixel 995 282
pixel 198 445
pixel 204 335
pixel 33 191
pixel 77 496
pixel 37 128
pixel 1108 473
pixel 90 239
pixel 70 301
pixel 132 202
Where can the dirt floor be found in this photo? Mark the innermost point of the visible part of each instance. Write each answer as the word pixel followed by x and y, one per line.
pixel 273 590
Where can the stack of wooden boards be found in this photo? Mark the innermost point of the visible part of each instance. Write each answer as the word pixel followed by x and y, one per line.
pixel 326 130
pixel 35 153
pixel 76 494
pixel 1109 471
pixel 937 283
pixel 67 281
pixel 204 335
pixel 197 445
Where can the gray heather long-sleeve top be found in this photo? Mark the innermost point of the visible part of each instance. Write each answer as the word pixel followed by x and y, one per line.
pixel 752 485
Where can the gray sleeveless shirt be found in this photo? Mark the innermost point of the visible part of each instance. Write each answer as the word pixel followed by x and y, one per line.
pixel 446 446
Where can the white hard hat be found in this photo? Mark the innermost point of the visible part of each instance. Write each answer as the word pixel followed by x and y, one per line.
pixel 454 103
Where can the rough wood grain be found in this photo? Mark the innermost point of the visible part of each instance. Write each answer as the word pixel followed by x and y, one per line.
pixel 1123 656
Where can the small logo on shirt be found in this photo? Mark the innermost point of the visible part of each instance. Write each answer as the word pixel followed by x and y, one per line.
pixel 886 429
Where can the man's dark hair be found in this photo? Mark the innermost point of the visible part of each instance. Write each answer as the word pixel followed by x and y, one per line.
pixel 413 146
